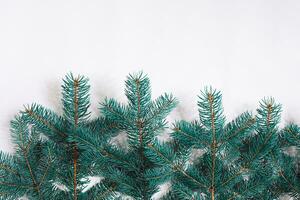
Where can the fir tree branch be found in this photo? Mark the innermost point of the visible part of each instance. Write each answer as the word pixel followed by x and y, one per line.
pixel 293 134
pixel 241 171
pixel 103 152
pixel 75 151
pixel 9 169
pixel 76 99
pixel 248 124
pixel 281 173
pixel 24 149
pixel 158 177
pixel 178 130
pixel 293 131
pixel 139 122
pixel 107 106
pixel 103 126
pixel 40 119
pixel 15 185
pixel 46 171
pixel 266 120
pixel 35 185
pixel 211 169
pixel 213 145
pixel 252 158
pixel 140 132
pixel 259 149
pixel 163 104
pixel 76 102
pixel 110 189
pixel 176 167
pixel 244 191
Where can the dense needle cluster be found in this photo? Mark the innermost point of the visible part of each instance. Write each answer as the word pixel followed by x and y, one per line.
pixel 121 153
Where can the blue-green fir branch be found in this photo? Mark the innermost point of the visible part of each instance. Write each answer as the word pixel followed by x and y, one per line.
pixel 56 157
pixel 76 99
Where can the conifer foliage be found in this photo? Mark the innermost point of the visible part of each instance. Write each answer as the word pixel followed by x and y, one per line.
pixel 120 153
pixel 46 164
pixel 30 168
pixel 215 160
pixel 288 164
pixel 138 122
pixel 206 164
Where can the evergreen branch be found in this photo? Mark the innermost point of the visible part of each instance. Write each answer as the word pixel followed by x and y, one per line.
pixel 291 135
pixel 138 92
pixel 28 146
pixel 103 151
pixel 295 136
pixel 271 115
pixel 24 149
pixel 107 106
pixel 7 164
pixel 211 116
pixel 46 171
pixel 75 151
pixel 163 104
pixel 268 124
pixel 157 127
pixel 175 167
pixel 110 189
pixel 102 125
pixel 139 122
pixel 242 170
pixel 15 185
pixel 19 128
pixel 40 119
pixel 213 145
pixel 9 169
pixel 257 152
pixel 75 173
pixel 245 126
pixel 244 191
pixel 76 99
pixel 158 177
pixel 205 159
pixel 281 173
pixel 140 130
pixel 178 130
pixel 260 149
pixel 211 100
pixel 35 185
pixel 76 85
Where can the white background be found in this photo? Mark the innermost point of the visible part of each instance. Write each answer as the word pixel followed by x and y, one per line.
pixel 246 49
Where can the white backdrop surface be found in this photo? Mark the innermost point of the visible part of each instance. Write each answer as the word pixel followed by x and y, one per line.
pixel 246 49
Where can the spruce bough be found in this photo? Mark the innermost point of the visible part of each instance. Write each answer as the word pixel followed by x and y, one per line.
pixel 120 153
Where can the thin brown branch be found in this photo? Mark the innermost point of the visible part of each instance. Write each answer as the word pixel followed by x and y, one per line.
pixel 46 171
pixel 36 186
pixel 75 150
pixel 15 185
pixel 213 146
